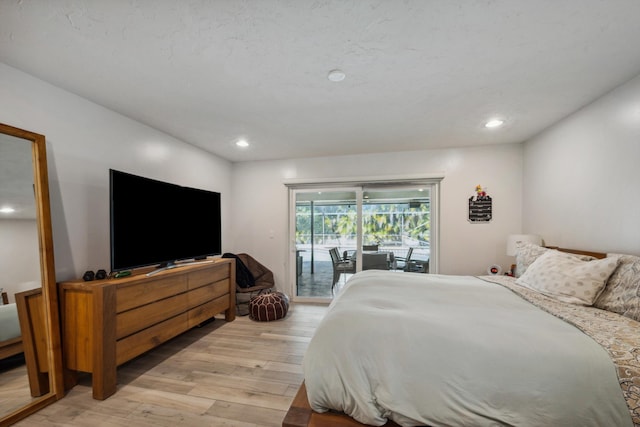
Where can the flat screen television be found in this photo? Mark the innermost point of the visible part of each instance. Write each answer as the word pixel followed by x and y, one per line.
pixel 155 223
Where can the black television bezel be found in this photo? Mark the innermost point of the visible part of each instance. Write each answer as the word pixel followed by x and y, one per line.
pixel 168 262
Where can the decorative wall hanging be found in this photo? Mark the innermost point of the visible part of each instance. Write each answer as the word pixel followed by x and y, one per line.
pixel 480 208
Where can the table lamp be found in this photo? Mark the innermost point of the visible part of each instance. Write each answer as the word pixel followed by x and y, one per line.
pixel 514 239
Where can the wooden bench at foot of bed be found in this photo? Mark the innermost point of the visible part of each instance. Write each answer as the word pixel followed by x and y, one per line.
pixel 300 414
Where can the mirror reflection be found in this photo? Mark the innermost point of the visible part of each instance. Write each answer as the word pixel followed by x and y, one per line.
pixel 20 270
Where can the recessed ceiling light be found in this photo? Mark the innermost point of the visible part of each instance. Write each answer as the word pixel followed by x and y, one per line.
pixel 494 123
pixel 336 75
pixel 7 210
pixel 242 143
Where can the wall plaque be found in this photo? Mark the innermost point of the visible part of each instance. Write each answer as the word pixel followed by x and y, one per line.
pixel 480 207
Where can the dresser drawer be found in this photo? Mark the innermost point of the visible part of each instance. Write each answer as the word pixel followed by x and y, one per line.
pixel 205 311
pixel 204 277
pixel 139 318
pixel 136 294
pixel 134 345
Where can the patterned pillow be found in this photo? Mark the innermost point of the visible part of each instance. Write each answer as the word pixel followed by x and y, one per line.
pixel 567 278
pixel 622 293
pixel 526 254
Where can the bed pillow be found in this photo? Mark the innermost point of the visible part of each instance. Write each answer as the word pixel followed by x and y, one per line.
pixel 622 293
pixel 567 278
pixel 526 254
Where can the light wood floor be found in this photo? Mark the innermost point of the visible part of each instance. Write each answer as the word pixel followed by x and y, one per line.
pixel 14 389
pixel 242 373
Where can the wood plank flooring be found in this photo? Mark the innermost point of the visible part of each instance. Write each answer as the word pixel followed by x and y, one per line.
pixel 14 389
pixel 243 373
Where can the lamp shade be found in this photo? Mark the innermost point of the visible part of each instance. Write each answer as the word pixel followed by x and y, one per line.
pixel 514 239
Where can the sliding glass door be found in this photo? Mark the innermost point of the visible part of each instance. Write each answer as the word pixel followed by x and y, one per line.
pixel 336 232
pixel 325 225
pixel 397 222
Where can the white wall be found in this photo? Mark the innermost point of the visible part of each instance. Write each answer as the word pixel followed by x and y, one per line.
pixel 582 179
pixel 260 201
pixel 19 256
pixel 84 140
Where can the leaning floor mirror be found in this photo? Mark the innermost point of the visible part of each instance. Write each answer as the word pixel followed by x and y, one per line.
pixel 30 356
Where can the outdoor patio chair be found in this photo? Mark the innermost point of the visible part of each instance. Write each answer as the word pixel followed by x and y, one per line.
pixel 404 263
pixel 349 255
pixel 340 266
pixel 418 265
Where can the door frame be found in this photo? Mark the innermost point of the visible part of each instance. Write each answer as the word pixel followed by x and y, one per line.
pixel 358 185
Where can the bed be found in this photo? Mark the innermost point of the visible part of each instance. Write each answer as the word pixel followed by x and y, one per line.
pixel 415 349
pixel 10 337
pixel 23 330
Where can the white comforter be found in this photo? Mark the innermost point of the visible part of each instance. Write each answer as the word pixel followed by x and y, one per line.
pixel 455 351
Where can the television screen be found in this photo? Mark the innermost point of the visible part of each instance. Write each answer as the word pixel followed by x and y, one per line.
pixel 155 222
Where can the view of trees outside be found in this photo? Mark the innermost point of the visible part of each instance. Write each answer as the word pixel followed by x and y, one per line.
pixel 384 224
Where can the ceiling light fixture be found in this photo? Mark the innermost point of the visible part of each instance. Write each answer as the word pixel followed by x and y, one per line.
pixel 7 210
pixel 336 75
pixel 242 143
pixel 494 123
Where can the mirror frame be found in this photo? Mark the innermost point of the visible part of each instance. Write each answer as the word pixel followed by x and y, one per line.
pixel 48 278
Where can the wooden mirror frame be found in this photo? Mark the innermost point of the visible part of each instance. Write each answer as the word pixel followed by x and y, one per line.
pixel 48 279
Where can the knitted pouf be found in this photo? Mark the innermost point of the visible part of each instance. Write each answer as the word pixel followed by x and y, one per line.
pixel 267 307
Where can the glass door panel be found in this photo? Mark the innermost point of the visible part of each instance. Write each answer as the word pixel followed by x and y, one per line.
pixel 336 232
pixel 326 235
pixel 397 222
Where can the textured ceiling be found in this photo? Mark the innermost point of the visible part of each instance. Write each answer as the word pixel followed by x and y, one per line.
pixel 420 74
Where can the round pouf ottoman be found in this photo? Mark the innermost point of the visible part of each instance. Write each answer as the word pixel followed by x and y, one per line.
pixel 268 307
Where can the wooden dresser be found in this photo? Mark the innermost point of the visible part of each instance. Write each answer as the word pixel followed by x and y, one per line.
pixel 106 323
